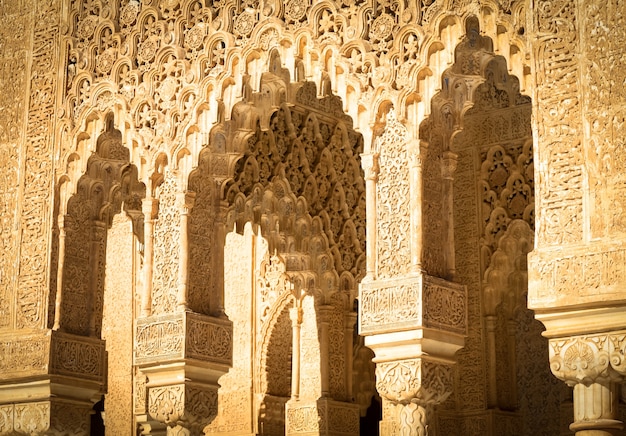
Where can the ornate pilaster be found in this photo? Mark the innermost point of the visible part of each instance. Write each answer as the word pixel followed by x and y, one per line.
pixel 448 168
pixel 324 314
pixel 183 354
pixel 414 326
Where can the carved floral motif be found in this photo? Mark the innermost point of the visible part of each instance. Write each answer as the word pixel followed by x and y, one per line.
pixel 589 359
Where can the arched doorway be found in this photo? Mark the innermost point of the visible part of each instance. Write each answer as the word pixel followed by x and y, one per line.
pixel 296 194
pixel 480 129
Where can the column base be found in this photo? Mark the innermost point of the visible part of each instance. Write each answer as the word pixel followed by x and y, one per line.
pixel 597 427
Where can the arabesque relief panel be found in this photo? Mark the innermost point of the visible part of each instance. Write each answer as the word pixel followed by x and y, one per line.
pixel 250 127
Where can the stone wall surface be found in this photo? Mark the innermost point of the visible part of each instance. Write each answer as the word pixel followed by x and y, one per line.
pixel 204 203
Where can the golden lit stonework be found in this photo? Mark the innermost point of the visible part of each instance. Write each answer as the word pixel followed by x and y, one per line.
pixel 312 217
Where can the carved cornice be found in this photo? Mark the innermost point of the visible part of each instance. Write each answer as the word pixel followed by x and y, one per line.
pixel 589 359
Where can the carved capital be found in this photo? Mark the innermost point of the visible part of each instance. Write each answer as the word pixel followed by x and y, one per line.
pixel 185 201
pixel 323 416
pixel 369 162
pixel 191 407
pixel 589 359
pixel 45 417
pixel 417 381
pixel 448 165
pixel 150 207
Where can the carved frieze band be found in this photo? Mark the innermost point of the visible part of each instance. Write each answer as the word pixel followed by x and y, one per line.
pixel 25 418
pixel 422 301
pixel 553 278
pixel 159 338
pixel 322 416
pixel 398 306
pixel 44 417
pixel 445 305
pixel 589 359
pixel 59 353
pixel 414 380
pixel 209 339
pixel 25 355
pixel 183 335
pixel 78 356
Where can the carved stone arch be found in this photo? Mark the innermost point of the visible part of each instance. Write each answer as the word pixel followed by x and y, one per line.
pixel 108 182
pixel 274 372
pixel 505 291
pixel 278 209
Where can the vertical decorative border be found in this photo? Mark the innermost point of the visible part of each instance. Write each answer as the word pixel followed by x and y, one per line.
pixel 37 170
pixel 17 19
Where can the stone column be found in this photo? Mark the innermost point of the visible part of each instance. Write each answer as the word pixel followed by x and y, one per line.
pixel 194 351
pixel 414 352
pixel 418 150
pixel 414 337
pixel 448 167
pixel 185 202
pixel 60 266
pixel 295 313
pixel 594 366
pixel 413 387
pixel 55 378
pixel 370 167
pixel 149 208
pixel 577 273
